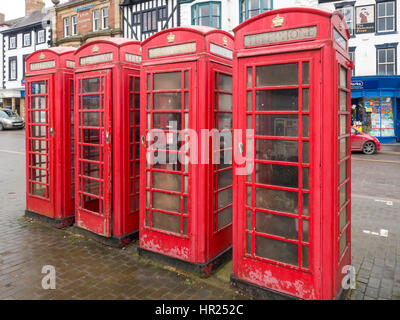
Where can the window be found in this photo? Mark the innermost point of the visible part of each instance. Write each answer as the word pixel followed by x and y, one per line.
pixel 352 58
pixel 12 68
pixel 67 29
pixel 250 8
pixel 74 21
pixel 149 21
pixel 162 13
pixel 24 65
pixel 136 18
pixel 348 13
pixel 104 18
pixel 12 42
pixel 27 39
pixel 41 36
pixel 386 13
pixel 386 60
pixel 96 20
pixel 207 14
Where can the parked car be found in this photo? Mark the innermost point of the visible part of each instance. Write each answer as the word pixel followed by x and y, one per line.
pixel 361 141
pixel 10 120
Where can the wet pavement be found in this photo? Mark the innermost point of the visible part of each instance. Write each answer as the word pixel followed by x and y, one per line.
pixel 86 269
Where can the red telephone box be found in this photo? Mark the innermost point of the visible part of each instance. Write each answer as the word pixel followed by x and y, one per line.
pixel 49 135
pixel 291 225
pixel 186 203
pixel 107 84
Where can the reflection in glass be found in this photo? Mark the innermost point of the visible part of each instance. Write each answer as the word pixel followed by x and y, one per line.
pixel 276 250
pixel 167 100
pixel 278 175
pixel 277 150
pixel 277 75
pixel 91 85
pixel 277 225
pixel 277 100
pixel 277 200
pixel 277 125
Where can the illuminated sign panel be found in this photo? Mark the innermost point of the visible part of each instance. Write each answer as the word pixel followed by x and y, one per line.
pixel 170 50
pixel 280 36
pixel 221 51
pixel 70 64
pixel 339 39
pixel 43 65
pixel 133 58
pixel 105 57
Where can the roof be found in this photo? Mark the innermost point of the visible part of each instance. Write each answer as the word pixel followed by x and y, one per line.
pixel 34 18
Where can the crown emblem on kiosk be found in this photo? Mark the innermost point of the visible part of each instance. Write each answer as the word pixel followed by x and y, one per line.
pixel 171 37
pixel 42 56
pixel 95 49
pixel 278 21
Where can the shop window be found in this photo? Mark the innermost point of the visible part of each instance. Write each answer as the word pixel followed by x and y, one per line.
pixel 12 68
pixel 74 20
pixel 250 8
pixel 386 17
pixel 96 20
pixel 67 27
pixel 386 59
pixel 12 42
pixel 27 39
pixel 207 14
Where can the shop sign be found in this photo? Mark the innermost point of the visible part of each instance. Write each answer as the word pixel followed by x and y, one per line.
pixel 357 84
pixel 280 36
pixel 84 8
pixel 365 19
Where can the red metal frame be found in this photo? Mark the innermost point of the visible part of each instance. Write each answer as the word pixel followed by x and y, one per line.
pixel 105 76
pixel 281 243
pixel 48 134
pixel 186 231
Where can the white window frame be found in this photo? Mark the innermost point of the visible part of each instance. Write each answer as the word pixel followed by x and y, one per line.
pixel 13 72
pixel 15 42
pixel 41 39
pixel 379 7
pixel 67 27
pixel 74 25
pixel 26 36
pixel 104 18
pixel 385 63
pixel 96 20
pixel 350 23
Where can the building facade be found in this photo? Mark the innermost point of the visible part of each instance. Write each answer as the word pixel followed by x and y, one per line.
pixel 143 18
pixel 81 21
pixel 374 29
pixel 19 39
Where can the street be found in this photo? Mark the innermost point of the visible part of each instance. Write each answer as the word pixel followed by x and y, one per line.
pixel 88 270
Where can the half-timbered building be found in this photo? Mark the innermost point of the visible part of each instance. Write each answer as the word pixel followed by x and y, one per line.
pixel 143 18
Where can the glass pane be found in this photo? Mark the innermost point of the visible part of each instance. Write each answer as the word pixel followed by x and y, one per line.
pixel 91 136
pixel 38 87
pixel 39 117
pixel 91 85
pixel 343 77
pixel 277 100
pixel 38 103
pixel 277 125
pixel 249 100
pixel 91 186
pixel 167 100
pixel 249 243
pixel 305 257
pixel 225 82
pixel 167 181
pixel 224 101
pixel 306 126
pixel 92 119
pixel 166 222
pixel 249 223
pixel 224 121
pixel 277 200
pixel 306 178
pixel 273 174
pixel 276 250
pixel 343 219
pixel 305 231
pixel 306 73
pixel 168 202
pixel 306 152
pixel 306 100
pixel 305 204
pixel 167 81
pixel 343 148
pixel 276 225
pixel 343 195
pixel 343 124
pixel 343 102
pixel 224 217
pixel 224 198
pixel 277 150
pixel 224 179
pixel 343 243
pixel 277 75
pixel 91 169
pixel 91 102
pixel 343 171
pixel 166 120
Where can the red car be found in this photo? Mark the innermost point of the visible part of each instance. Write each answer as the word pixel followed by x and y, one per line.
pixel 361 141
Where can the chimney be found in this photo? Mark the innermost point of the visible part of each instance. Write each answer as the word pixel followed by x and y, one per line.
pixel 33 5
pixel 2 18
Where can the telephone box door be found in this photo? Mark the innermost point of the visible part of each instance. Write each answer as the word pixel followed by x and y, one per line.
pixel 40 141
pixel 167 179
pixel 93 151
pixel 275 210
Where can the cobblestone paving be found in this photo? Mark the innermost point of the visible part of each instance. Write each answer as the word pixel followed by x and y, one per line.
pixel 88 270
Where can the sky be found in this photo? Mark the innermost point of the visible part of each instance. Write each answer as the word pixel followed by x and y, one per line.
pixel 16 8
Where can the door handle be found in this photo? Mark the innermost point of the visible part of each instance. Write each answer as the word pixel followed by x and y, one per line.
pixel 107 137
pixel 142 140
pixel 52 132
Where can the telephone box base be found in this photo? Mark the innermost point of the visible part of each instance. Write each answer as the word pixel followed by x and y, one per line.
pixel 203 270
pixel 116 242
pixel 256 292
pixel 56 223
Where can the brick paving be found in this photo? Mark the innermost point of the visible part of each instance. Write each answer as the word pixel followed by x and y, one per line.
pixel 88 270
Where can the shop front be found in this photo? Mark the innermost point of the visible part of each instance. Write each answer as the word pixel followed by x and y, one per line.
pixel 374 104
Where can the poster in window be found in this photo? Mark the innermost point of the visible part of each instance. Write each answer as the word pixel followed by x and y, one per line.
pixel 365 19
